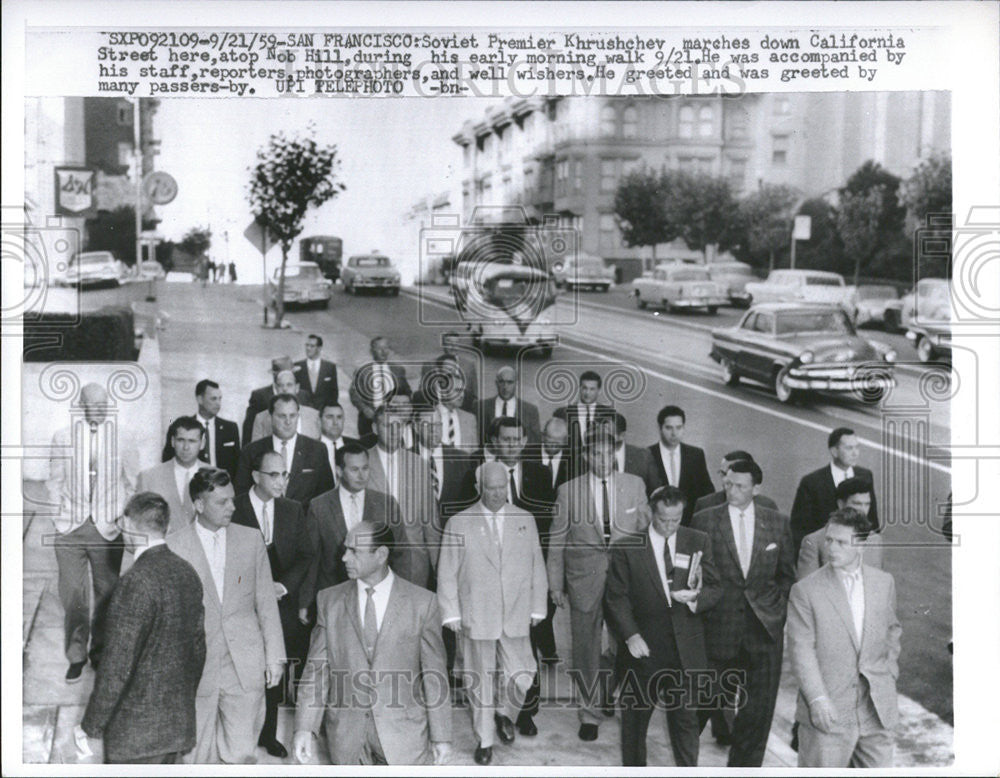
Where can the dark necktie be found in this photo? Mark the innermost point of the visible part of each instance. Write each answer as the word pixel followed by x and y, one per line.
pixel 370 623
pixel 607 511
pixel 513 486
pixel 504 410
pixel 668 562
pixel 435 478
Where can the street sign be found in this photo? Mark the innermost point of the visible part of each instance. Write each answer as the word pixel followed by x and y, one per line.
pixel 803 228
pixel 259 237
pixel 159 187
pixel 75 191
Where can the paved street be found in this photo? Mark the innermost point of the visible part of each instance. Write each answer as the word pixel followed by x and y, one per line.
pixel 216 332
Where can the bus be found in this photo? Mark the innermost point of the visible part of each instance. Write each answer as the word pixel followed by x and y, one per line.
pixel 326 251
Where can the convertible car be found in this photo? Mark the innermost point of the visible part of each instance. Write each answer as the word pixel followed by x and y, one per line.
pixel 797 347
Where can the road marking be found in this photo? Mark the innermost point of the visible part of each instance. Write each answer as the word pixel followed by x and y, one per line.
pixel 735 400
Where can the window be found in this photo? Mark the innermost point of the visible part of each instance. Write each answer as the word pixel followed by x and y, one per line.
pixel 695 165
pixel 124 153
pixel 608 232
pixel 562 176
pixel 124 115
pixel 630 122
pixel 706 121
pixel 609 175
pixel 686 127
pixel 779 150
pixel 782 106
pixel 467 154
pixel 738 123
pixel 609 121
pixel 578 176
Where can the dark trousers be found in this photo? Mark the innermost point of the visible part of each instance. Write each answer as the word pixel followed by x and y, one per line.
pixel 84 556
pixel 171 758
pixel 758 660
pixel 543 639
pixel 647 684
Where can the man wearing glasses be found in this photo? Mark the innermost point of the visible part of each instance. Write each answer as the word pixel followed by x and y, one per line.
pixel 290 553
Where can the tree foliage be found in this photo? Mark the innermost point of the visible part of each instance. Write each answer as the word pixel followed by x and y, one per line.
pixel 114 231
pixel 705 211
pixel 640 208
pixel 858 225
pixel 766 217
pixel 928 189
pixel 293 174
pixel 196 241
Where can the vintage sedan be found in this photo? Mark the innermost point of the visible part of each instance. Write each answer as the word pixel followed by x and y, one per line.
pixel 734 276
pixel 370 271
pixel 871 301
pixel 584 272
pixel 930 299
pixel 91 269
pixel 798 347
pixel 808 286
pixel 304 285
pixel 677 286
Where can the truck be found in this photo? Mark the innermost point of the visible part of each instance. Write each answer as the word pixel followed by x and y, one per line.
pixel 327 251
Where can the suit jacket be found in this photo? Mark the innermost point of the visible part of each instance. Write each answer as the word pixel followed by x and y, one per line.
pixel 695 481
pixel 572 415
pixel 456 494
pixel 291 552
pixel 826 653
pixel 360 391
pixel 245 624
pixel 816 499
pixel 160 479
pixel 227 446
pixel 344 440
pixel 493 591
pixel 419 530
pixel 636 460
pixel 309 475
pixel 328 530
pixel 718 498
pixel 470 367
pixel 309 424
pixel 326 383
pixel 636 603
pixel 765 588
pixel 578 556
pixel 562 474
pixel 527 413
pixel 408 716
pixel 468 431
pixel 143 702
pixel 68 482
pixel 260 398
pixel 813 554
pixel 535 495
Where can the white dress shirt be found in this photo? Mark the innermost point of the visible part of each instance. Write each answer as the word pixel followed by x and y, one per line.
pixel 840 475
pixel 290 443
pixel 498 407
pixel 348 501
pixel 671 463
pixel 331 451
pixel 183 475
pixel 142 549
pixel 312 368
pixel 620 458
pixel 380 597
pixel 209 425
pixel 214 544
pixel 657 542
pixel 264 511
pixel 854 587
pixel 748 521
pixel 517 479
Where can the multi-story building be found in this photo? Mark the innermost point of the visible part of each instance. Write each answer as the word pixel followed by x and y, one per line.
pixel 564 156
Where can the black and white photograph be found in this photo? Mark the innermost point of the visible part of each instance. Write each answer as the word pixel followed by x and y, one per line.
pixel 535 386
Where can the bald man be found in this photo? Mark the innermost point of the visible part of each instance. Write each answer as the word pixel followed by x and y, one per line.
pixel 309 423
pixel 554 451
pixel 508 402
pixel 90 488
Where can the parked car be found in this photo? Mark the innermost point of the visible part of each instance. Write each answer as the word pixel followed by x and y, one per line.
pixel 795 347
pixel 870 302
pixel 734 277
pixel 932 339
pixel 150 269
pixel 584 272
pixel 930 299
pixel 676 285
pixel 92 269
pixel 810 286
pixel 370 271
pixel 304 285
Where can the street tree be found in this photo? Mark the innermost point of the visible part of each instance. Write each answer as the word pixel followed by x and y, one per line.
pixel 705 210
pixel 293 174
pixel 196 241
pixel 858 225
pixel 640 209
pixel 927 193
pixel 766 217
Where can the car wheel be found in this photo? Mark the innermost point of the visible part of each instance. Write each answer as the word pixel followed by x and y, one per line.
pixel 639 302
pixel 604 288
pixel 713 309
pixel 782 391
pixel 729 375
pixel 925 349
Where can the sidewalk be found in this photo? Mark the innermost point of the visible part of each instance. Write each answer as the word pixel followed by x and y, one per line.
pixel 216 332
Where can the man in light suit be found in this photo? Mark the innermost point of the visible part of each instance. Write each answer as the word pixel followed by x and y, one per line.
pixel 335 513
pixel 170 480
pixel 316 376
pixel 508 402
pixel 492 589
pixel 404 476
pixel 90 490
pixel 671 461
pixel 305 458
pixel 592 511
pixel 853 493
pixel 221 446
pixel 309 423
pixel 375 677
pixel 375 382
pixel 844 640
pixel 816 497
pixel 745 614
pixel 245 649
pixel 719 498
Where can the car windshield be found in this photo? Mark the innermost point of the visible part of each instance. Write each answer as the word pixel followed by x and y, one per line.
pixel 814 321
pixel 689 275
pixel 739 270
pixel 304 272
pixel 370 261
pixel 823 281
pixel 877 293
pixel 94 259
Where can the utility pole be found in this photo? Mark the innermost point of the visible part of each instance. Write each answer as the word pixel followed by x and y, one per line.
pixel 136 140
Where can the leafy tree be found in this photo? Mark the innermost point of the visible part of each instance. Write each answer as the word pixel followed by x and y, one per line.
pixel 705 210
pixel 858 225
pixel 766 217
pixel 928 189
pixel 824 250
pixel 640 209
pixel 871 175
pixel 196 241
pixel 292 174
pixel 871 239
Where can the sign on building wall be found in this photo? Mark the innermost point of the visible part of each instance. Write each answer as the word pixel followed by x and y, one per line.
pixel 75 191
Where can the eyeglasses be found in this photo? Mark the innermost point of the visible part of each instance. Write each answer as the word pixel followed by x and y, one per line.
pixel 274 474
